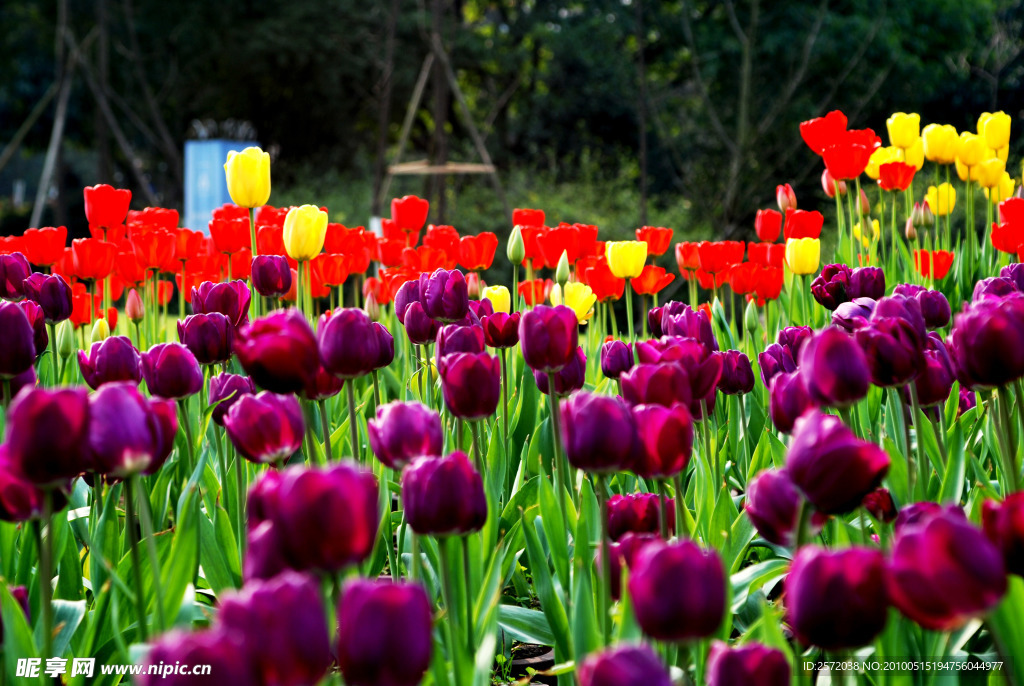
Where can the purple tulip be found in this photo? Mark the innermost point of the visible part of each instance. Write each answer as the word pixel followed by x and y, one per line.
pixel 737 375
pixel 112 359
pixel 751 663
pixel 894 350
pixel 987 342
pixel 834 368
pixel 171 371
pixel 915 512
pixel 852 315
pixel 349 345
pixel 210 337
pixel 408 293
pixel 229 660
pixel 616 358
pixel 20 499
pixel 993 288
pixel 444 295
pixel 944 571
pixel 568 379
pixel 794 338
pixel 837 599
pixel 656 384
pixel 678 591
pixel 17 346
pixel 933 304
pixel 666 440
pixel 444 496
pixel 471 384
pixel 14 269
pixel 481 308
pixel 228 389
pixel 323 385
pixel 231 299
pixel 902 307
pixel 501 330
pixel 373 618
pixel 880 504
pixel 637 513
pixel 623 664
pixel 37 320
pixel 788 400
pixel 271 275
pixel 867 282
pixel 284 628
pixel 385 346
pixel 264 553
pixel 598 433
pixel 623 554
pixel 129 433
pixel 420 328
pixel 52 293
pixel 776 359
pixel 48 434
pixel 703 368
pixel 681 320
pixel 265 428
pixel 831 287
pixel 1004 526
pixel 452 338
pixel 549 337
pixel 27 379
pixel 773 506
pixel 402 431
pixel 935 382
pixel 278 351
pixel 1015 273
pixel 968 399
pixel 833 468
pixel 655 315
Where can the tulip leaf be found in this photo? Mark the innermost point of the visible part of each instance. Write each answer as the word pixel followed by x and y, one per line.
pixel 67 617
pixel 8 548
pixel 525 498
pixel 1007 625
pixel 18 640
pixel 751 578
pixel 897 475
pixel 953 479
pixel 69 579
pixel 742 533
pixel 524 419
pixel 179 567
pixel 554 531
pixel 218 544
pixel 525 625
pixel 585 622
pixel 722 517
pixel 550 603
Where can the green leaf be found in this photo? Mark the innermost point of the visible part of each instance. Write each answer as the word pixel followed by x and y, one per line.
pixel 956 468
pixel 754 577
pixel 555 533
pixel 216 567
pixel 550 603
pixel 1007 626
pixel 18 641
pixel 67 616
pixel 526 625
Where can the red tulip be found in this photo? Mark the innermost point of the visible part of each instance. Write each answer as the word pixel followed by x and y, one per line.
pixel 477 252
pixel 45 246
pixel 768 224
pixel 230 235
pixel 687 257
pixel 896 176
pixel 553 242
pixel 803 224
pixel 606 286
pixel 409 212
pixel 389 252
pixel 105 205
pixel 821 132
pixel 535 292
pixel 657 238
pixel 785 197
pixel 93 259
pixel 652 280
pixel 527 218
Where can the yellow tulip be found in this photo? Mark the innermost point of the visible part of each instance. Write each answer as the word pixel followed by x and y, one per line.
pixel 248 174
pixel 904 129
pixel 990 172
pixel 965 172
pixel 940 143
pixel 803 255
pixel 626 258
pixel 915 154
pixel 876 231
pixel 995 129
pixel 500 298
pixel 578 296
pixel 941 199
pixel 1002 153
pixel 305 228
pixel 879 157
pixel 972 149
pixel 1001 191
pixel 100 331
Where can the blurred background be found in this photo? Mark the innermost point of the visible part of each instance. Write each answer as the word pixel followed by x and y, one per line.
pixel 618 113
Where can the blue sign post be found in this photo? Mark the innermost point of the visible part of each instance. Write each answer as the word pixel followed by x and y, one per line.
pixel 206 187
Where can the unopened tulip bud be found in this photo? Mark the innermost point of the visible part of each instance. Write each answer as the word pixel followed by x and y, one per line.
pixel 922 215
pixel 133 307
pixel 910 231
pixel 372 307
pixel 562 271
pixel 828 184
pixel 865 205
pixel 100 331
pixel 751 318
pixel 65 338
pixel 515 250
pixel 785 196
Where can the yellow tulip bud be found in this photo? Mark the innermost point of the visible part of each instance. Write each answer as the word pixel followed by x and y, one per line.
pixel 305 228
pixel 803 255
pixel 879 157
pixel 578 296
pixel 972 149
pixel 941 199
pixel 876 231
pixel 941 143
pixel 501 300
pixel 915 154
pixel 904 129
pixel 1002 190
pixel 626 258
pixel 995 129
pixel 100 331
pixel 990 172
pixel 248 174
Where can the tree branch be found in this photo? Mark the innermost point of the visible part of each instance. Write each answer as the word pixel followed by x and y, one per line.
pixel 716 122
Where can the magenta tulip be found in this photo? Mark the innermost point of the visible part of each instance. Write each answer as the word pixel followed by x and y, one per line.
pixel 171 371
pixel 265 428
pixel 349 345
pixel 471 384
pixel 129 433
pixel 279 351
pixel 444 496
pixel 110 360
pixel 403 431
pixel 599 433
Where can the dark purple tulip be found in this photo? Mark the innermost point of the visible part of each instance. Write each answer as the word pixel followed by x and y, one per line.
pixel 1004 526
pixel 852 315
pixel 385 346
pixel 402 431
pixel 481 308
pixel 265 428
pixel 323 385
pixel 737 375
pixel 598 433
pixel 452 338
pixel 548 337
pixel 264 553
pixel 909 290
pixel 36 318
pixel 656 384
pixel 171 371
pixel 836 599
pixel 703 368
pixel 109 360
pixel 994 287
pixel 284 627
pixel 52 293
pixel 349 345
pixel 20 499
pixel 373 618
pixel 444 496
pixel 880 504
pixel 210 337
pixel 623 664
pixel 326 519
pixel 833 468
pixel 894 350
pixel 17 349
pixel 262 501
pixel 654 319
pixel 666 440
pixel 271 275
pixel 987 342
pixel 788 400
pixel 915 512
pixel 681 320
pixel 129 433
pixel 902 307
pixel 637 513
pixel 471 384
pixel 20 595
pixel 944 571
pixel 968 399
pixel 678 591
pixel 231 299
pixel 616 358
pixel 228 389
pixel 623 553
pixel 408 293
pixel 1015 273
pixel 229 660
pixel 48 434
pixel 14 269
pixel 751 663
pixel 501 330
pixel 420 328
pixel 568 379
pixel 831 287
pixel 934 309
pixel 26 379
pixel 867 282
pixel 794 338
pixel 278 351
pixel 773 505
pixel 444 295
pixel 834 368
pixel 935 382
pixel 776 359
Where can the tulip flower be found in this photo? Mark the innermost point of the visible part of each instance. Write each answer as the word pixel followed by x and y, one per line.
pixel 548 337
pixel 941 199
pixel 935 263
pixel 278 351
pixel 652 280
pixel 420 328
pixel 896 176
pixel 230 299
pixel 271 276
pixel 444 295
pixel 657 238
pixel 349 347
pixel 222 651
pixel 208 336
pixel 785 197
pixel 444 496
pixel 110 360
pixel 471 384
pixel 226 390
pixel 373 617
pixel 105 205
pixel 880 504
pixel 52 294
pixel 403 431
pixel 971 150
pixel 476 253
pixel 904 129
pixel 568 379
pixel 768 225
pixel 248 177
pixel 500 299
pixel 20 499
pixel 637 513
pixel 941 143
pixel 820 132
pixel 992 288
pixel 837 599
pixel 665 440
pixel 681 320
pixel 894 349
pixel 128 433
pixel 747 664
pixel 623 664
pixel 47 434
pixel 773 505
pixel 45 246
pixel 834 368
pixel 409 213
pixel 678 591
pixel 599 433
pixel 664 384
pixel 802 255
pixel 265 428
pixel 304 230
pixel 986 342
pixel 737 375
pixel 1004 526
pixel 171 371
pixel 831 287
pixel 616 358
pixel 626 258
pixel 14 269
pixel 501 330
pixel 579 297
pixel 994 129
pixel 36 320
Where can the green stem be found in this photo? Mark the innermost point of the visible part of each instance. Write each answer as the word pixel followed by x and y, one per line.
pixel 133 546
pixel 240 497
pixel 897 407
pixel 325 426
pixel 474 427
pixel 46 569
pixel 447 597
pixel 662 507
pixel 146 519
pixel 190 447
pixel 802 520
pixel 53 353
pixel 376 390
pixel 504 404
pixel 1001 418
pixel 629 310
pixel 470 642
pixel 299 297
pixel 558 469
pixel 682 530
pixel 919 421
pixel 706 430
pixel 606 559
pixel 352 428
